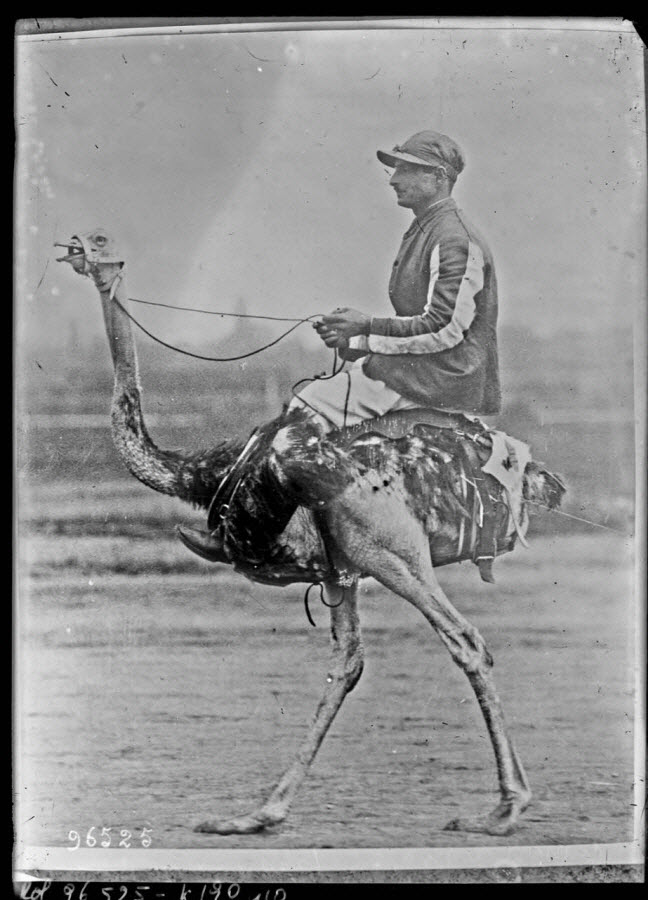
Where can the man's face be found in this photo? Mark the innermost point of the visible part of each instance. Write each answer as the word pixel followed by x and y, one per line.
pixel 415 186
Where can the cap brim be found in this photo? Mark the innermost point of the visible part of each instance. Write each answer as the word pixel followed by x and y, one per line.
pixel 389 159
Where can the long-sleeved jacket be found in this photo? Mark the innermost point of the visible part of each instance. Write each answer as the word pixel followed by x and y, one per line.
pixel 440 349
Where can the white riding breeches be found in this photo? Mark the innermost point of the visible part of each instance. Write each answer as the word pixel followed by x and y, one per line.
pixel 348 398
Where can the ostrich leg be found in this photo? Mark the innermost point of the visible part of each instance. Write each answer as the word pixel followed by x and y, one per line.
pixel 469 652
pixel 344 671
pixel 401 562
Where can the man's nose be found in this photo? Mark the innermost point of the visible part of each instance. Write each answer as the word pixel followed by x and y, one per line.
pixel 394 179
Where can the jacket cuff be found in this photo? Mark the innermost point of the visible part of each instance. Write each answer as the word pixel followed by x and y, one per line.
pixel 359 342
pixel 379 325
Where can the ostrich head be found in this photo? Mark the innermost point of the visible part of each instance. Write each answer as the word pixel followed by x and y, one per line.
pixel 94 254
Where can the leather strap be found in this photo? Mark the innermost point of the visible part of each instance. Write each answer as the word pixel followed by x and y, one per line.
pixel 484 548
pixel 228 486
pixel 398 424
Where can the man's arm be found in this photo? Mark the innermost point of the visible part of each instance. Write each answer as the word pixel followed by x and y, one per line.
pixel 456 277
pixel 332 335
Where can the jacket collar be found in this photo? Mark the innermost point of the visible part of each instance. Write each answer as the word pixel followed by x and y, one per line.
pixel 432 212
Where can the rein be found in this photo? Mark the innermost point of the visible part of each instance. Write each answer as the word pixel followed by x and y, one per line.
pixel 323 377
pixel 118 277
pixel 322 600
pixel 213 312
pixel 214 358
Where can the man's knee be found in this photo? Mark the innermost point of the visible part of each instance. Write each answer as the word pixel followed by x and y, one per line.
pixel 316 417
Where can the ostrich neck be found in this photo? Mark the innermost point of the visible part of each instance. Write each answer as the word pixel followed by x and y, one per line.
pixel 120 340
pixel 168 472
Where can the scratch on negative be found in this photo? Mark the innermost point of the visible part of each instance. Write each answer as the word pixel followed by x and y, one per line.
pixel 42 276
pixel 260 58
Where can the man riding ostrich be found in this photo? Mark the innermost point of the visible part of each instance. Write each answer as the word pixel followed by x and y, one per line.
pixel 376 472
pixel 440 350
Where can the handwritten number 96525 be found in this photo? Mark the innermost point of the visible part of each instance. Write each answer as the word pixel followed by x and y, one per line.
pixel 105 838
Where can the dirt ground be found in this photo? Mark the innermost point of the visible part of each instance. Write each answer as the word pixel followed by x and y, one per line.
pixel 156 691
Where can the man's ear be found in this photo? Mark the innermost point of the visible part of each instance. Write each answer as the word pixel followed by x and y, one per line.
pixel 437 175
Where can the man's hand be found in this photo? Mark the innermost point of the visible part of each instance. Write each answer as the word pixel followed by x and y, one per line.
pixel 331 337
pixel 348 322
pixel 342 324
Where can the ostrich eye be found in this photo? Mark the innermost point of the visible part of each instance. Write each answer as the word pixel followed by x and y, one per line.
pixel 100 240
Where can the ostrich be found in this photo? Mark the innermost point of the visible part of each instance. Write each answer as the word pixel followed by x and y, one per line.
pixel 337 508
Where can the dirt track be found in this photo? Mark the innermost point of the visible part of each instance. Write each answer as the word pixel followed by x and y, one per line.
pixel 156 700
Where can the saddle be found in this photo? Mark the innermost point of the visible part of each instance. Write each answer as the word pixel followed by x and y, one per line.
pixel 482 494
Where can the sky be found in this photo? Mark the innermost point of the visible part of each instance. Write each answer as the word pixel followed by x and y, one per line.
pixel 241 167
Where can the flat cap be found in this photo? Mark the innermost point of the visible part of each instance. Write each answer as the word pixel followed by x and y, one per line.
pixel 427 148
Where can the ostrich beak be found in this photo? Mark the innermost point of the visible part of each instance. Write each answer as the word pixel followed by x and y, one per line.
pixel 74 248
pixel 75 255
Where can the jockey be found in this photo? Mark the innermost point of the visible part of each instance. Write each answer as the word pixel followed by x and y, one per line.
pixel 440 349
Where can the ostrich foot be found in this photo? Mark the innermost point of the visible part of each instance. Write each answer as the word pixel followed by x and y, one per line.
pixel 501 821
pixel 249 824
